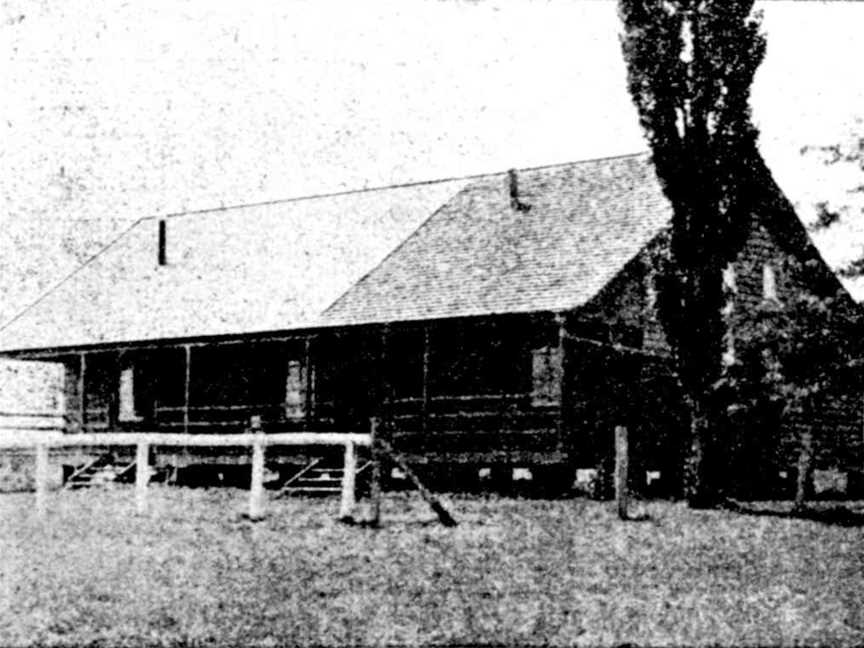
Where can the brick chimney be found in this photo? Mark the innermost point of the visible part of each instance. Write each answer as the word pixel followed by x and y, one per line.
pixel 515 203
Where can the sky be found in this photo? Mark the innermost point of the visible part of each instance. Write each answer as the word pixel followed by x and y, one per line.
pixel 117 110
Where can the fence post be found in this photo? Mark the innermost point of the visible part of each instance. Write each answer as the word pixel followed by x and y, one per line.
pixel 375 486
pixel 346 507
pixel 41 478
pixel 621 492
pixel 256 488
pixel 805 461
pixel 142 475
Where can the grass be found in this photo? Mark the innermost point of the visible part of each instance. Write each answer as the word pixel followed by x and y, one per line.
pixel 564 572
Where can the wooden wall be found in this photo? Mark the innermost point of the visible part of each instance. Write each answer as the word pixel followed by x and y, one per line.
pixel 477 391
pixel 516 389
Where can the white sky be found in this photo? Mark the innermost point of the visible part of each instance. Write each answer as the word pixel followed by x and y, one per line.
pixel 114 111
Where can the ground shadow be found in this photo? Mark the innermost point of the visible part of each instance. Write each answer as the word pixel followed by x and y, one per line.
pixel 639 517
pixel 834 515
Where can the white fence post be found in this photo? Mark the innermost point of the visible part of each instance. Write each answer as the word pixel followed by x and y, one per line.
pixel 41 478
pixel 142 475
pixel 346 507
pixel 256 488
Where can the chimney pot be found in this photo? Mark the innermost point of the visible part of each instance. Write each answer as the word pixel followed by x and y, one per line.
pixel 515 203
pixel 163 242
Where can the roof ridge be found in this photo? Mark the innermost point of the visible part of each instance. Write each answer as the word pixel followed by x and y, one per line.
pixel 122 234
pixel 68 277
pixel 363 190
pixel 401 244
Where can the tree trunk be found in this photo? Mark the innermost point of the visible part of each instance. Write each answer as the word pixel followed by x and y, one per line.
pixel 805 464
pixel 698 487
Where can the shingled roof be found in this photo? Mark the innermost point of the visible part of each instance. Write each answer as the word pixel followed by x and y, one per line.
pixel 478 255
pixel 431 250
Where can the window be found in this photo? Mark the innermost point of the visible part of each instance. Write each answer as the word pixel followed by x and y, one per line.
pixel 546 371
pixel 295 391
pixel 651 295
pixel 126 407
pixel 730 289
pixel 728 357
pixel 769 282
pixel 729 279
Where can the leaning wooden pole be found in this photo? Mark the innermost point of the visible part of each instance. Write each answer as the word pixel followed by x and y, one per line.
pixel 622 495
pixel 346 506
pixel 142 476
pixel 41 479
pixel 433 502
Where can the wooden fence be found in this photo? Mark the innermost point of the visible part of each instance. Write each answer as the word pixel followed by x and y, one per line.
pixel 143 441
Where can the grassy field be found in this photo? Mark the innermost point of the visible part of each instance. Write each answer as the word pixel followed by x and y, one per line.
pixel 563 572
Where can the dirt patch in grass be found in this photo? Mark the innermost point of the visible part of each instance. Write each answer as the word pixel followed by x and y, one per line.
pixel 564 572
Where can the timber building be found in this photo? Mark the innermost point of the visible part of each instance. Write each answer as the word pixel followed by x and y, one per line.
pixel 504 320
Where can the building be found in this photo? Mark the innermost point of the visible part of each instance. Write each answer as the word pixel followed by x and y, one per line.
pixel 503 321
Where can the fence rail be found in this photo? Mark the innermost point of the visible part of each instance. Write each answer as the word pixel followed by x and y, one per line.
pixel 177 439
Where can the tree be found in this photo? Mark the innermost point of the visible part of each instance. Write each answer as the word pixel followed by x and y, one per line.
pixel 793 359
pixel 690 66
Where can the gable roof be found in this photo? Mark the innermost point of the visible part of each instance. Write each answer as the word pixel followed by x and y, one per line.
pixel 479 256
pixel 431 250
pixel 257 268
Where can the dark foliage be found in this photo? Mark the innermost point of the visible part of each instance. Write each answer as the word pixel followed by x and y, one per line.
pixel 690 67
pixel 798 352
pixel 854 268
pixel 793 359
pixel 825 217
